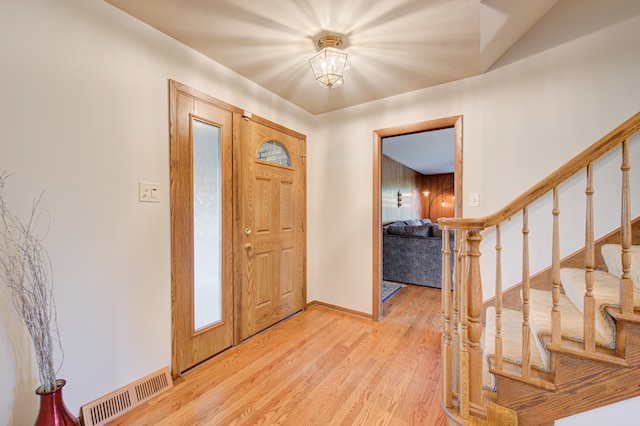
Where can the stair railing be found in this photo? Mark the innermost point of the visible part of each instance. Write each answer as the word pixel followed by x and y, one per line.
pixel 462 356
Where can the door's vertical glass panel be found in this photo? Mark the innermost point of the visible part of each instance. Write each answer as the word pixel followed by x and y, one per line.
pixel 273 152
pixel 207 229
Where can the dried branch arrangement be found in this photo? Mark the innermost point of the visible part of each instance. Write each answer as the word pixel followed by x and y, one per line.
pixel 25 267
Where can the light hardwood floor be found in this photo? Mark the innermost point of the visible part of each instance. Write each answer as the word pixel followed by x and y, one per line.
pixel 320 367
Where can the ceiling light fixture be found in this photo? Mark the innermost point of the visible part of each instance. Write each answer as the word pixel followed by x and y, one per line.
pixel 330 63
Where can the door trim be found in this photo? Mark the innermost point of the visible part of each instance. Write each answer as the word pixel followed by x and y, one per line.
pixel 441 123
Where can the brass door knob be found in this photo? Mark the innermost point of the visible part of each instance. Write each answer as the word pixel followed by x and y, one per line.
pixel 248 246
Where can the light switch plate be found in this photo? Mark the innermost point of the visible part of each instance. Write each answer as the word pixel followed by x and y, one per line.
pixel 474 200
pixel 149 192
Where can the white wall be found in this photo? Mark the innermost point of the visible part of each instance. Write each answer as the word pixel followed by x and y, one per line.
pixel 84 119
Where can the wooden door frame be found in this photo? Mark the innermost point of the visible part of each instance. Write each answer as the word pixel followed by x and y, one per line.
pixel 454 122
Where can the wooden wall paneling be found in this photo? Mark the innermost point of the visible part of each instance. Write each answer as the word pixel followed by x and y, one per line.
pixel 399 178
pixel 441 188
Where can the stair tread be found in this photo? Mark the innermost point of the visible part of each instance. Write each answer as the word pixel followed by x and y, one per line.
pixel 576 349
pixel 612 253
pixel 572 320
pixel 541 303
pixel 606 292
pixel 537 378
pixel 511 345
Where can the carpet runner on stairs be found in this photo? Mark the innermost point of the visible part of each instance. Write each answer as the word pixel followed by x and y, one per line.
pixel 511 343
pixel 606 293
pixel 612 254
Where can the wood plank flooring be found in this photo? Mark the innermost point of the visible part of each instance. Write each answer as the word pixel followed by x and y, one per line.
pixel 320 367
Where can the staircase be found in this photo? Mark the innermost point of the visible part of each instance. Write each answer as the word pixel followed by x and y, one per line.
pixel 567 344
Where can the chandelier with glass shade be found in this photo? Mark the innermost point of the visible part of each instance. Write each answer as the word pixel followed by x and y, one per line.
pixel 330 63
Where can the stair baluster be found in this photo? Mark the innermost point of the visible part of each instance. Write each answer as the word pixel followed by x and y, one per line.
pixel 556 315
pixel 447 367
pixel 498 304
pixel 464 369
pixel 626 293
pixel 460 268
pixel 526 354
pixel 589 262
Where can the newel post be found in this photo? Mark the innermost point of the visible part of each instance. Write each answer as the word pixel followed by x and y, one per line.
pixel 474 313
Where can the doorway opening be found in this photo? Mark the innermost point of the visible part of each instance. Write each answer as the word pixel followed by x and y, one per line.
pixel 435 197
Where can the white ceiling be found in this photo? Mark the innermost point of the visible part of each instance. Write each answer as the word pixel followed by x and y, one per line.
pixel 428 153
pixel 394 46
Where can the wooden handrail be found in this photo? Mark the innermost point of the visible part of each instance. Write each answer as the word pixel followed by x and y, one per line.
pixel 573 166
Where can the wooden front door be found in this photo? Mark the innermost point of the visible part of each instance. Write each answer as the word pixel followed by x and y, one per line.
pixel 201 227
pixel 272 215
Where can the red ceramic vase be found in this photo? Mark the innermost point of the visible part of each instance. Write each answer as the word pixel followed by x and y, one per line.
pixel 53 412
